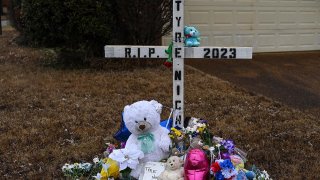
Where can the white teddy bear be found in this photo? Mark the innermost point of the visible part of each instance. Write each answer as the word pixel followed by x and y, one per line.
pixel 174 169
pixel 142 119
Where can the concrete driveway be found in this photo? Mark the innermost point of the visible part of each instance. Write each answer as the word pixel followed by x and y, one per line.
pixel 292 78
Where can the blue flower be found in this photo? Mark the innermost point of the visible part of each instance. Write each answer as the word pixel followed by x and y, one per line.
pixel 226 164
pixel 219 176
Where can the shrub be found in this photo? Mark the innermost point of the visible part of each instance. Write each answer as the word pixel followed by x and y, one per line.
pixel 85 26
pixel 142 22
pixel 43 22
pixel 72 24
pixel 89 25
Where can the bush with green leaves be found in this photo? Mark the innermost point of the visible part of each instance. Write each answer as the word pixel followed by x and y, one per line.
pixel 81 25
pixel 44 22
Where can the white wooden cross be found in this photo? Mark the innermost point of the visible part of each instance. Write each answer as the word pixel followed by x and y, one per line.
pixel 179 52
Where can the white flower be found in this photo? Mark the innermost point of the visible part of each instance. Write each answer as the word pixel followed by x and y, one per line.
pixel 65 167
pixel 195 120
pixel 98 176
pixel 71 166
pixel 96 160
pixel 75 165
pixel 86 166
pixel 228 173
pixel 266 174
pixel 127 158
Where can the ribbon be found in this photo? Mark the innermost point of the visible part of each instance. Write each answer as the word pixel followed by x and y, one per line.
pixel 147 142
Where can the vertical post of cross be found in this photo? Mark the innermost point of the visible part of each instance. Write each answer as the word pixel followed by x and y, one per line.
pixel 178 62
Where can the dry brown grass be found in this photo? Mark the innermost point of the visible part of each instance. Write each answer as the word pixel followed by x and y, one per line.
pixel 50 116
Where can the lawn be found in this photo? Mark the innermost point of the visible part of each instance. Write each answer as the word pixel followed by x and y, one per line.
pixel 51 116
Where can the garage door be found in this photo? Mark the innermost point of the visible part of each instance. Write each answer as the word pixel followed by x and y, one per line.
pixel 265 25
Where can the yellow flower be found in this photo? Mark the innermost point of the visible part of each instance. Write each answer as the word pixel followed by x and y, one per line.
pixel 176 131
pixel 201 129
pixel 110 169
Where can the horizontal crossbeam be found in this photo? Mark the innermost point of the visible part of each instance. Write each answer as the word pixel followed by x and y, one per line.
pixel 190 52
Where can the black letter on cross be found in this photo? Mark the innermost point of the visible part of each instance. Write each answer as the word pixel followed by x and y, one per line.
pixel 151 51
pixel 127 52
pixel 177 52
pixel 178 90
pixel 178 5
pixel 177 75
pixel 178 21
pixel 178 36
pixel 178 120
pixel 176 106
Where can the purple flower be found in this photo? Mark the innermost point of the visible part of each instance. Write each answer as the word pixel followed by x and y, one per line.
pixel 202 121
pixel 123 145
pixel 229 145
pixel 225 155
pixel 110 148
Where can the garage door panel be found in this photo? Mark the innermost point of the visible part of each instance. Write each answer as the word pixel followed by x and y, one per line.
pixel 245 19
pixel 222 17
pixel 307 39
pixel 267 19
pixel 308 18
pixel 226 40
pixel 199 17
pixel 266 40
pixel 287 17
pixel 309 2
pixel 287 40
pixel 244 40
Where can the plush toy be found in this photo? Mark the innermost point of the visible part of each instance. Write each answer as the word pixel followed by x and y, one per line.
pixel 196 143
pixel 142 118
pixel 174 169
pixel 191 35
